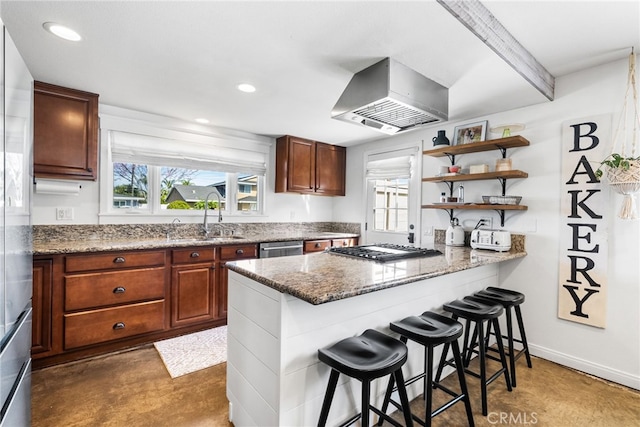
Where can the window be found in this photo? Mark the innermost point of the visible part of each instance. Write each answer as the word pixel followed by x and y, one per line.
pixel 179 188
pixel 189 188
pixel 155 175
pixel 391 204
pixel 130 186
pixel 247 193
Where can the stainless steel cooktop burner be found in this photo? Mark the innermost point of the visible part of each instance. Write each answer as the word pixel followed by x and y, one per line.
pixel 383 252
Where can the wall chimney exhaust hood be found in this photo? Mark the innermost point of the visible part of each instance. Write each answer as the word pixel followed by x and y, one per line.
pixel 392 98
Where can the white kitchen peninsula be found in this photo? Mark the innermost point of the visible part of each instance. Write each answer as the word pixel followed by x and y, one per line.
pixel 281 310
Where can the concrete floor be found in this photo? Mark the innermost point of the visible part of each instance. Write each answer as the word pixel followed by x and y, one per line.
pixel 133 389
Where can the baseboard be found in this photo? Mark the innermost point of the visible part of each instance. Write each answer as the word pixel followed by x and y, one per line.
pixel 586 366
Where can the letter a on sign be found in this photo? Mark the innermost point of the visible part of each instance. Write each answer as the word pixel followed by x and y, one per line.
pixel 582 287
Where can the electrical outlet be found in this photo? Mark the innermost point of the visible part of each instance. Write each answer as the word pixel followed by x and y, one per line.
pixel 63 214
pixel 487 222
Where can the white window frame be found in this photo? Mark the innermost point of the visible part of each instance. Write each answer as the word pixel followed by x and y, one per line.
pixel 132 123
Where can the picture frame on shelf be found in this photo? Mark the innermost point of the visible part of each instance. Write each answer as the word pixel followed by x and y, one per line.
pixel 470 133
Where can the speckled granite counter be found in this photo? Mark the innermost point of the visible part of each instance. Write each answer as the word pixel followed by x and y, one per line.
pixel 99 245
pixel 51 240
pixel 323 277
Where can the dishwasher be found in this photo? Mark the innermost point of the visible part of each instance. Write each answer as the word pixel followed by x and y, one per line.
pixel 276 249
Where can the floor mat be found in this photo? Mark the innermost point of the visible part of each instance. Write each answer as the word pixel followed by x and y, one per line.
pixel 190 353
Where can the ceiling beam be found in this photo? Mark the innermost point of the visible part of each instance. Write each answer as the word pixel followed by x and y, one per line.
pixel 481 22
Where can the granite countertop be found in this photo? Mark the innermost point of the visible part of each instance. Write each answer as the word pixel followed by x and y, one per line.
pixel 323 277
pixel 91 244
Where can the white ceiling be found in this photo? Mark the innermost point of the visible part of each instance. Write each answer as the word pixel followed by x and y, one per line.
pixel 184 59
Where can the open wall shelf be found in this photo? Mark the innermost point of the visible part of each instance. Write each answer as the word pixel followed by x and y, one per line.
pixel 477 176
pixel 450 151
pixel 501 144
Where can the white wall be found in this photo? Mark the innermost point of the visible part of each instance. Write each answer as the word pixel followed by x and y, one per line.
pixel 613 352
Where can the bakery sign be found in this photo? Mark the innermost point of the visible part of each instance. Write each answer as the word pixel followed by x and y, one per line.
pixel 582 291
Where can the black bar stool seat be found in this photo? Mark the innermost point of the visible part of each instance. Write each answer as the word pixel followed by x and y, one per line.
pixel 432 329
pixel 366 357
pixel 476 310
pixel 509 299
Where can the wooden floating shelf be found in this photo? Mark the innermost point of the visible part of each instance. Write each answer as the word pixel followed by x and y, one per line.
pixel 478 206
pixel 476 147
pixel 478 176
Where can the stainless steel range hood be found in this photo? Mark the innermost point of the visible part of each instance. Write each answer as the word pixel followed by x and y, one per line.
pixel 392 98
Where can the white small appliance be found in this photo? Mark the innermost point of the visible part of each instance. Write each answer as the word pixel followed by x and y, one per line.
pixel 454 235
pixel 495 240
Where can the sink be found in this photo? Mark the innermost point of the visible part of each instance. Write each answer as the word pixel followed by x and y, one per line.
pixel 224 238
pixel 207 239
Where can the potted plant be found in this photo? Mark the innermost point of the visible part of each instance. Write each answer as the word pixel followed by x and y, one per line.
pixel 623 175
pixel 619 163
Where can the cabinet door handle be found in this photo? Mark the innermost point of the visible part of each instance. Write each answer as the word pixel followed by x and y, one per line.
pixel 119 325
pixel 194 255
pixel 119 260
pixel 240 251
pixel 119 290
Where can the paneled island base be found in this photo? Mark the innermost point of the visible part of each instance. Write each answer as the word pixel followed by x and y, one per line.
pixel 274 376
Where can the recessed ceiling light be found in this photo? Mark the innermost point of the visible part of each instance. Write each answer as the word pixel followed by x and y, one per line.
pixel 62 31
pixel 246 87
pixel 202 121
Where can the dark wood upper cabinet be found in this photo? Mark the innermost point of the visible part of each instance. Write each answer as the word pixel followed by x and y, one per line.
pixel 310 167
pixel 331 163
pixel 65 133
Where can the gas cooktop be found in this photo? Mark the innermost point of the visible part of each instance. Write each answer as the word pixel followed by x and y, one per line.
pixel 383 252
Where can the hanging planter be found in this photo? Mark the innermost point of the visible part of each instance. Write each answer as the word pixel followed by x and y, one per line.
pixel 622 171
pixel 623 176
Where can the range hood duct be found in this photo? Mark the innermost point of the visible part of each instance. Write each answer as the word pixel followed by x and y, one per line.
pixel 392 98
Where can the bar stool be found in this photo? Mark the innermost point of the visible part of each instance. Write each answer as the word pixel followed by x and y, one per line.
pixel 508 299
pixel 431 330
pixel 366 357
pixel 472 309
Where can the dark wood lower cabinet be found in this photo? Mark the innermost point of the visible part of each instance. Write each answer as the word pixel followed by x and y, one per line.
pixel 86 304
pixel 223 283
pixel 42 304
pixel 193 294
pixel 226 254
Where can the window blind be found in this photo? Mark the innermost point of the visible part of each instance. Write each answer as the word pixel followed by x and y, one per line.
pixel 392 164
pixel 127 147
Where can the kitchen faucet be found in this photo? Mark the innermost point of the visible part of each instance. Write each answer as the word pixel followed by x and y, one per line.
pixel 172 227
pixel 205 225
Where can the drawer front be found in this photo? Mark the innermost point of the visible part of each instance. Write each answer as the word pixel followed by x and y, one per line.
pixel 316 245
pixel 84 291
pixel 343 242
pixel 193 255
pixel 97 326
pixel 113 260
pixel 228 253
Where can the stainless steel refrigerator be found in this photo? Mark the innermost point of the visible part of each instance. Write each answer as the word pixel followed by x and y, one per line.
pixel 16 270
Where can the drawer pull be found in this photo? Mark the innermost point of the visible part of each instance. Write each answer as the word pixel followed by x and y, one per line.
pixel 119 260
pixel 194 255
pixel 119 290
pixel 317 245
pixel 119 325
pixel 240 251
